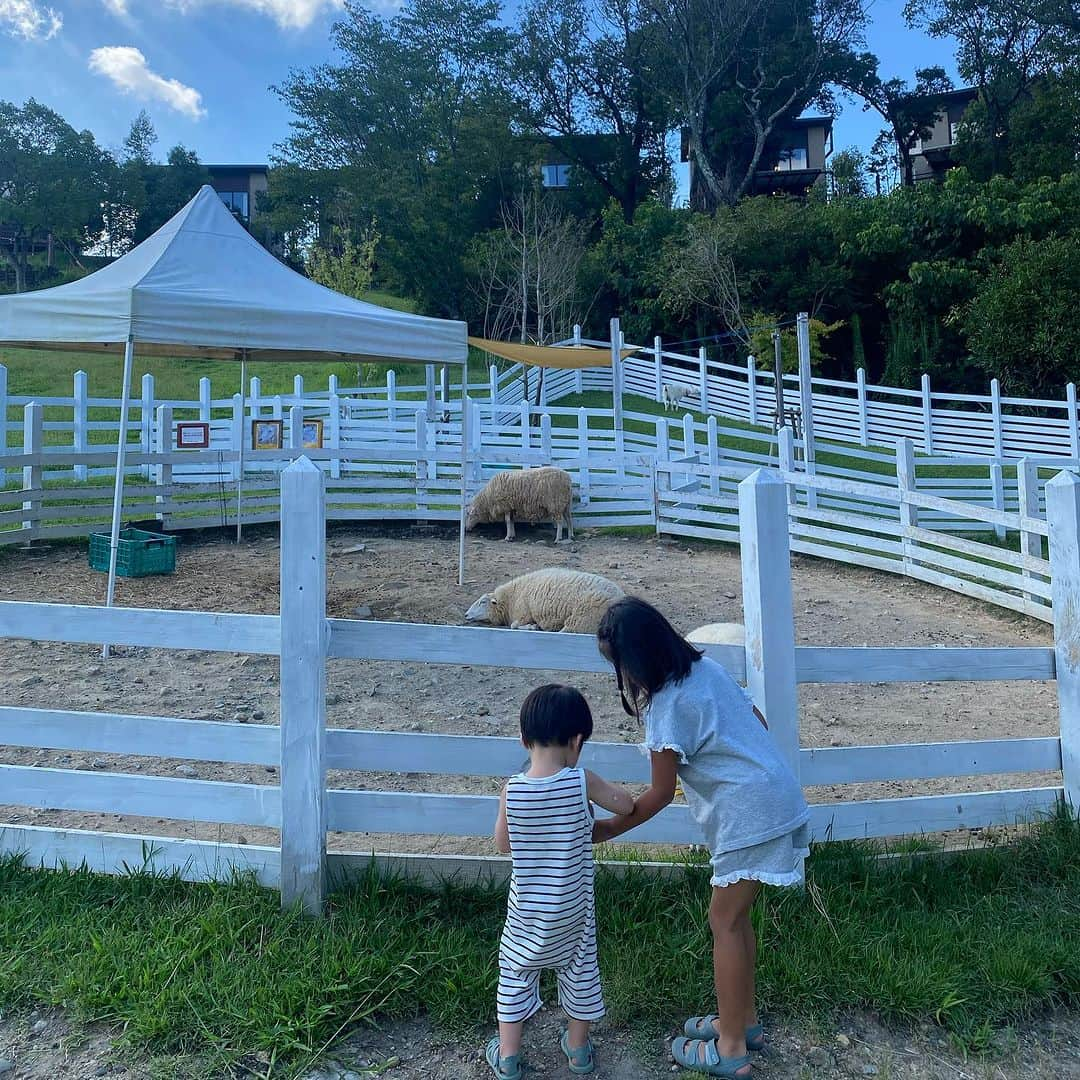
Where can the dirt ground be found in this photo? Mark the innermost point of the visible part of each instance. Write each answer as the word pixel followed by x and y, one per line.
pixel 47 1046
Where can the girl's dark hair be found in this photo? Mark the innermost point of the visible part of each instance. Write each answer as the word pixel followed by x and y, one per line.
pixel 647 651
pixel 552 715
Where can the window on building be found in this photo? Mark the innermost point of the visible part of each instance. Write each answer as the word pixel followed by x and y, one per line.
pixel 792 159
pixel 237 202
pixel 555 176
pixel 916 147
pixel 954 131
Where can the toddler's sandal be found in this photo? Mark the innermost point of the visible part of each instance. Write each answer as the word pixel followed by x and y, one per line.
pixel 702 1056
pixel 505 1068
pixel 701 1027
pixel 580 1060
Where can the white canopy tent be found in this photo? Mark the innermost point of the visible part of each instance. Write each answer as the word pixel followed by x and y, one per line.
pixel 201 286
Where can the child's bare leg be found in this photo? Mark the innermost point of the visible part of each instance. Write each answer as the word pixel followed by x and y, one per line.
pixel 577 1033
pixel 733 972
pixel 750 941
pixel 509 1038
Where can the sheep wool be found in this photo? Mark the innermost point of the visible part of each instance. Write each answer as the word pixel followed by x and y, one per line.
pixel 553 599
pixel 718 633
pixel 535 495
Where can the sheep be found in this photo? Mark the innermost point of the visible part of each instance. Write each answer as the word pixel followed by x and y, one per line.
pixel 675 395
pixel 552 599
pixel 542 494
pixel 718 633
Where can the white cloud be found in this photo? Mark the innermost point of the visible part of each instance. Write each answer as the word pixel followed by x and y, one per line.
pixel 126 68
pixel 288 14
pixel 117 7
pixel 28 19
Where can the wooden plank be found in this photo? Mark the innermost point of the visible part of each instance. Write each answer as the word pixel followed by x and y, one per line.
pixel 141 796
pixel 149 627
pixel 304 637
pixel 816 664
pixel 929 813
pixel 148 736
pixel 122 853
pixel 926 761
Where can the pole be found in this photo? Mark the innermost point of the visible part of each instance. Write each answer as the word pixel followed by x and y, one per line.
pixel 464 482
pixel 778 377
pixel 118 483
pixel 243 441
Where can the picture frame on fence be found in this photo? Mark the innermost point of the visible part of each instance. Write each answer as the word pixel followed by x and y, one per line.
pixel 311 435
pixel 193 435
pixel 266 434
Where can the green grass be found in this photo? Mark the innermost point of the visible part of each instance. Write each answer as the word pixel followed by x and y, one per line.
pixel 971 941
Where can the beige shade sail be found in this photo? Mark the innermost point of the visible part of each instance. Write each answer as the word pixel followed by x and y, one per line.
pixel 566 357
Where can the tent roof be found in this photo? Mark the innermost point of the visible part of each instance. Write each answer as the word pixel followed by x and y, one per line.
pixel 202 286
pixel 549 356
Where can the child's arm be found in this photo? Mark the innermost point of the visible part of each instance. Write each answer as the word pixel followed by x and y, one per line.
pixel 610 796
pixel 659 795
pixel 502 831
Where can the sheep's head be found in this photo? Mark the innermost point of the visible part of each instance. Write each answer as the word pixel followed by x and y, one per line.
pixel 482 610
pixel 472 518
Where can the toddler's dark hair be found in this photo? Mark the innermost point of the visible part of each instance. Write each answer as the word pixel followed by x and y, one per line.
pixel 553 714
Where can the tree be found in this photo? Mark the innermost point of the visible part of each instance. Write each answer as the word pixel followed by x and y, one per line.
pixel 848 174
pixel 344 265
pixel 584 68
pixel 1004 48
pixel 739 69
pixel 166 190
pixel 53 180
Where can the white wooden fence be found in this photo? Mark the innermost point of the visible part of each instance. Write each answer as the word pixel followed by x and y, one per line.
pixel 303 809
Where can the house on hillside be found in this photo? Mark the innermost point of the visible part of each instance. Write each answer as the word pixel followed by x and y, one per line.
pixel 933 156
pixel 239 187
pixel 795 158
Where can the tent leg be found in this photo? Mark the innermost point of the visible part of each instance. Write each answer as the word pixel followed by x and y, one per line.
pixel 243 443
pixel 118 485
pixel 464 487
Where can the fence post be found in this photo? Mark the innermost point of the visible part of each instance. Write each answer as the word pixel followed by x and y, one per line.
pixel 997 493
pixel 164 470
pixel 298 389
pixel 616 377
pixel 785 453
pixel 927 416
pixel 493 385
pixel 277 408
pixel 331 384
pixel 429 390
pixel 255 396
pixel 1063 517
pixel 663 475
pixel 476 441
pixel 577 334
pixel 768 613
pixel 703 378
pixel 579 381
pixel 204 400
pixel 296 428
pixel 444 385
pixel 658 367
pixel 237 439
pixel 806 403
pixel 995 415
pixel 906 483
pixel 864 419
pixel 303 686
pixel 751 387
pixel 526 421
pixel 714 454
pixel 334 434
pixel 146 421
pixel 1074 428
pixel 421 465
pixel 3 422
pixel 1027 497
pixel 391 395
pixel 583 456
pixel 80 393
pixel 33 475
pixel 545 437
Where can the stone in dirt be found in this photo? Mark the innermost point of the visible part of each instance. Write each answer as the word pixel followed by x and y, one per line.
pixel 6 1066
pixel 354 550
pixel 819 1058
pixel 362 612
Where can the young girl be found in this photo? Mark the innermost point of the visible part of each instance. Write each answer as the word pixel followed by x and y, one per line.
pixel 702 730
pixel 545 823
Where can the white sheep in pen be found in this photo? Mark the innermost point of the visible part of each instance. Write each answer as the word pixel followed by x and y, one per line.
pixel 552 599
pixel 542 494
pixel 718 633
pixel 675 395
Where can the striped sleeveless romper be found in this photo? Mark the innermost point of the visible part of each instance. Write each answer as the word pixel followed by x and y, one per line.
pixel 551 914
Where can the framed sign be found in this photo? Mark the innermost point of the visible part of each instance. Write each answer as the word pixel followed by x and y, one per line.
pixel 266 434
pixel 311 435
pixel 192 435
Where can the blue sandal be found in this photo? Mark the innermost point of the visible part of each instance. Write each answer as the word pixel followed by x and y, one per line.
pixel 702 1056
pixel 505 1068
pixel 701 1027
pixel 580 1059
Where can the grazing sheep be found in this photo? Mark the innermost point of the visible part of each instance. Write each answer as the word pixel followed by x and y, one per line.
pixel 718 633
pixel 675 395
pixel 525 494
pixel 551 599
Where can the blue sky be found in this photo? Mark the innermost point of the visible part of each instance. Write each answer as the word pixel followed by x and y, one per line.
pixel 202 68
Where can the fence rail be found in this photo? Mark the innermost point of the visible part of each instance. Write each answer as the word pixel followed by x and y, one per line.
pixel 303 808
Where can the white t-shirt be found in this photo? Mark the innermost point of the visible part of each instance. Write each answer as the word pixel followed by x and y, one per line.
pixel 738 788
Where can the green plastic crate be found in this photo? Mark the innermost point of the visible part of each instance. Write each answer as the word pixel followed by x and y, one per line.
pixel 138 553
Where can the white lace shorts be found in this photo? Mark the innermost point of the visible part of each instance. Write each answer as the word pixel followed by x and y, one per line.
pixel 776 862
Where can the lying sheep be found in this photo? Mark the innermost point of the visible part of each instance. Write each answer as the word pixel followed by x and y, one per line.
pixel 718 633
pixel 675 395
pixel 525 494
pixel 551 599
